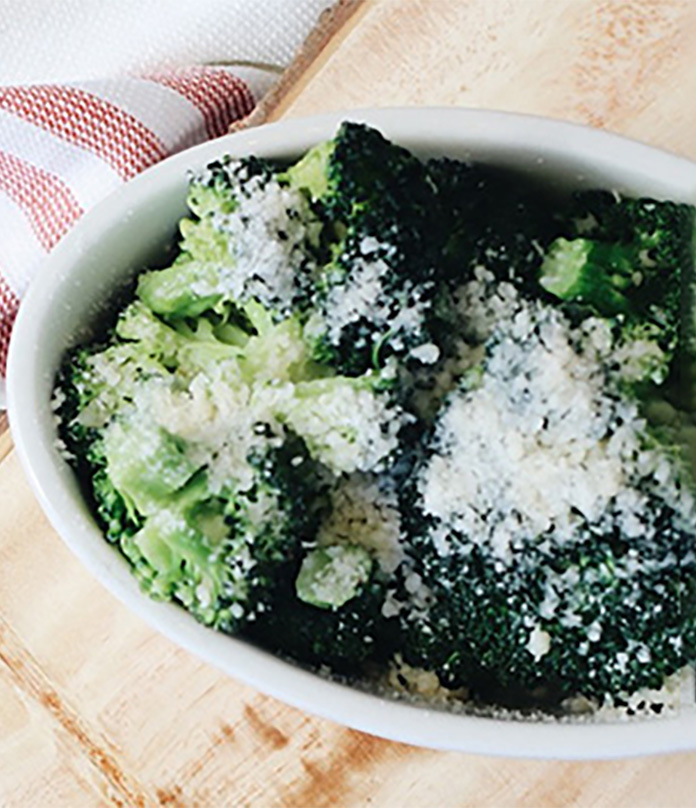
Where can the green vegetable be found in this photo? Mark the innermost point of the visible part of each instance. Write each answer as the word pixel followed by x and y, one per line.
pixel 479 630
pixel 331 576
pixel 631 258
pixel 344 639
pixel 380 212
pixel 327 332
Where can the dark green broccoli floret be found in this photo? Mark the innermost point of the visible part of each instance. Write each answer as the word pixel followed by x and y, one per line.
pixel 491 217
pixel 631 258
pixel 603 615
pixel 380 213
pixel 344 639
pixel 363 181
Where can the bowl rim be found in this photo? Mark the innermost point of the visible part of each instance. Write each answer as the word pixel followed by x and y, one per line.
pixel 395 720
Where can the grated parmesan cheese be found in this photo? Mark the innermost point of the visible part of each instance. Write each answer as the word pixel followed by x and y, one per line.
pixel 363 295
pixel 540 443
pixel 347 428
pixel 364 513
pixel 270 233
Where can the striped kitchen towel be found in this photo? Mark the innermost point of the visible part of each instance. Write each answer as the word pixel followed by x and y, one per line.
pixel 63 148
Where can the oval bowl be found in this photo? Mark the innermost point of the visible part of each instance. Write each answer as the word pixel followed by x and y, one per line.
pixel 135 225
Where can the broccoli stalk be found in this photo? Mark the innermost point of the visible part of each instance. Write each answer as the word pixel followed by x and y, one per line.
pixel 220 557
pixel 591 272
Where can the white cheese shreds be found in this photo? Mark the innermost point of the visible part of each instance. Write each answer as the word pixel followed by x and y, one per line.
pixel 539 643
pixel 217 417
pixel 346 427
pixel 428 353
pixel 364 513
pixel 539 444
pixel 363 295
pixel 270 233
pixel 482 304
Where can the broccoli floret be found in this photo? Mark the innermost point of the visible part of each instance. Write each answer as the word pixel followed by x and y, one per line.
pixel 211 521
pixel 626 258
pixel 144 463
pixel 344 639
pixel 99 380
pixel 222 555
pixel 310 173
pixel 197 550
pixel 374 293
pixel 251 238
pixel 113 512
pixel 191 285
pixel 188 287
pixel 264 349
pixel 77 386
pixel 362 181
pixel 331 576
pixel 491 217
pixel 349 424
pixel 604 616
pixel 561 554
pixel 590 272
pixel 277 351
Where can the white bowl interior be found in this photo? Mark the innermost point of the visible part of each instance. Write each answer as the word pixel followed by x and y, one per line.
pixel 135 227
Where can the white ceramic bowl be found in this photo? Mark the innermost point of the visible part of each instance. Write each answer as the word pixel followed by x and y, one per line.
pixel 133 226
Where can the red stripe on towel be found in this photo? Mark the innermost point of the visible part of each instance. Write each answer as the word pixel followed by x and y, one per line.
pixel 221 97
pixel 92 123
pixel 9 304
pixel 46 201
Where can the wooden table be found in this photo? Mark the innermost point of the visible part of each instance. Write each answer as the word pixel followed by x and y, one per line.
pixel 95 708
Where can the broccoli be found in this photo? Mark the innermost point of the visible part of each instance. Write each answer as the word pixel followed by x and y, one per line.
pixel 250 239
pixel 375 290
pixel 323 413
pixel 217 549
pixel 560 558
pixel 604 615
pixel 345 638
pixel 223 556
pixel 631 259
pixel 383 409
pixel 331 576
pixel 591 272
pixel 491 217
pixel 211 495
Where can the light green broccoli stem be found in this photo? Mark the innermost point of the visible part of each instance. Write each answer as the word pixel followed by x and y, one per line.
pixel 145 464
pixel 331 576
pixel 311 172
pixel 590 272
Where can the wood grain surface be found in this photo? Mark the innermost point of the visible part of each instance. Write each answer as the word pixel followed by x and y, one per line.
pixel 96 709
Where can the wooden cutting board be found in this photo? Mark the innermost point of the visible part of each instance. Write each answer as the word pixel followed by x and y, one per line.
pixel 96 709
